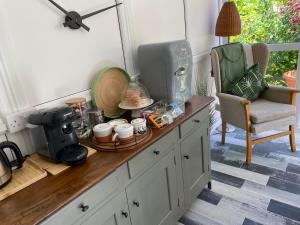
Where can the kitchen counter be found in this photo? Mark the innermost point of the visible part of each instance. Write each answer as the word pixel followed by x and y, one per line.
pixel 45 197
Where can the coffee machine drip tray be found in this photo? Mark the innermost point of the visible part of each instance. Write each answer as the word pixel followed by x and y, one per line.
pixel 73 154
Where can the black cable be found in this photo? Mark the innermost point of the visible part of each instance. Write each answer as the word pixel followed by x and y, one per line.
pixel 11 151
pixel 120 30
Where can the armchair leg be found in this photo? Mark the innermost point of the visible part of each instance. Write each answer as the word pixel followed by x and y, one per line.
pixel 248 148
pixel 223 132
pixel 292 138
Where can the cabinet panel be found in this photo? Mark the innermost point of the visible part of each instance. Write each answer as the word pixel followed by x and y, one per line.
pixel 195 156
pixel 113 213
pixel 152 198
pixel 153 154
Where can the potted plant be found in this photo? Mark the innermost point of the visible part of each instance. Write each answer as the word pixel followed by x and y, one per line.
pixel 292 12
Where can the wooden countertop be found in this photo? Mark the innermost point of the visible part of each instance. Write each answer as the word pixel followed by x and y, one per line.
pixel 43 198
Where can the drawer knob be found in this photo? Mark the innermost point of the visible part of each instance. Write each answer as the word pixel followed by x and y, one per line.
pixel 156 152
pixel 124 213
pixel 84 207
pixel 136 203
pixel 186 156
pixel 196 121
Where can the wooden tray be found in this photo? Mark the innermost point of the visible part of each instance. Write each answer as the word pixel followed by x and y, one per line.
pixel 119 146
pixel 22 178
pixel 51 167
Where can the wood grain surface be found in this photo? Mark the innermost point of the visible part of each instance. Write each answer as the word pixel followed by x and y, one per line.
pixel 43 198
pixel 22 178
pixel 52 168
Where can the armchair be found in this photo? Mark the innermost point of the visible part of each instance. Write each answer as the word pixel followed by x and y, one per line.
pixel 274 109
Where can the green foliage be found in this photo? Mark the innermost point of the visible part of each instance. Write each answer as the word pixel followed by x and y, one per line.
pixel 201 86
pixel 271 21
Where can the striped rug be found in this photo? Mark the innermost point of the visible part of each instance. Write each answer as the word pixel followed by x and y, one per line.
pixel 266 192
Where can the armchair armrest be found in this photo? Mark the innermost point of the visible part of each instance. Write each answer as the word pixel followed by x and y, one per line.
pixel 234 109
pixel 285 95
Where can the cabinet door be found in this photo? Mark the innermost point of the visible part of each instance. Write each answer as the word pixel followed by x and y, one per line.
pixel 195 161
pixel 114 212
pixel 152 198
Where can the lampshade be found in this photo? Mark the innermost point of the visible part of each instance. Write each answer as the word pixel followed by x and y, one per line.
pixel 229 21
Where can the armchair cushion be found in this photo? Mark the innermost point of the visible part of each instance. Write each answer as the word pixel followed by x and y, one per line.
pixel 279 94
pixel 273 125
pixel 251 85
pixel 262 110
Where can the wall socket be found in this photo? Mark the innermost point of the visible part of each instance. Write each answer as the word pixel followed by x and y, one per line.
pixel 16 122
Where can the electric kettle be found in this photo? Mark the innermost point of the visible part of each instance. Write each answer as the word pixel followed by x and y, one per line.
pixel 5 164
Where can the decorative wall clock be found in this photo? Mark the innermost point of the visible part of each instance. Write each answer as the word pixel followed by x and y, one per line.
pixel 74 20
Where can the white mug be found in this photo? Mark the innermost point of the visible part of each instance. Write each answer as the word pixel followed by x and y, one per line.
pixel 103 132
pixel 139 125
pixel 114 123
pixel 124 132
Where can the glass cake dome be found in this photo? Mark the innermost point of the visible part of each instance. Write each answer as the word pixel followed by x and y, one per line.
pixel 136 96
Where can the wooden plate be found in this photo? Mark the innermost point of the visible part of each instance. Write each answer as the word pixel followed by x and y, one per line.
pixel 108 89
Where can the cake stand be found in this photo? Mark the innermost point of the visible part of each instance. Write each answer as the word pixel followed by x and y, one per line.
pixel 135 111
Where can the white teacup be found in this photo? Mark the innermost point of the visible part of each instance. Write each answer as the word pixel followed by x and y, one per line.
pixel 124 132
pixel 114 123
pixel 103 132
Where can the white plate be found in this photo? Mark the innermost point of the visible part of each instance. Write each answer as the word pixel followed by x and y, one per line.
pixel 128 107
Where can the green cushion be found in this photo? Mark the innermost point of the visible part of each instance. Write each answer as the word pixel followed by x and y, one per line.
pixel 251 85
pixel 232 61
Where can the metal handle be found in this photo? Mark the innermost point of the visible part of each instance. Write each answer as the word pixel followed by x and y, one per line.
pixel 180 72
pixel 84 207
pixel 156 152
pixel 196 121
pixel 136 203
pixel 186 156
pixel 124 213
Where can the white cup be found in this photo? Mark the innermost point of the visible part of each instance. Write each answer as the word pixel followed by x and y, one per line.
pixel 124 132
pixel 103 132
pixel 139 125
pixel 114 123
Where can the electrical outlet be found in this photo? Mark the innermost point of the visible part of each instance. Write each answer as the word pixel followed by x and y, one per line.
pixel 17 121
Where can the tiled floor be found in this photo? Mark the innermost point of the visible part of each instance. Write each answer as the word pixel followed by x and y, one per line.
pixel 266 192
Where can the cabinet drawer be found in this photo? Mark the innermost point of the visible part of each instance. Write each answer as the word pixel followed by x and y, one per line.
pixel 152 154
pixel 194 122
pixel 90 199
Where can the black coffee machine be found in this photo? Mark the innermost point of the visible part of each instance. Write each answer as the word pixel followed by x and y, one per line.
pixel 62 142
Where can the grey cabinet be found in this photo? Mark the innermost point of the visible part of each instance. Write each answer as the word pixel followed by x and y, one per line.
pixel 152 198
pixel 153 188
pixel 114 212
pixel 195 161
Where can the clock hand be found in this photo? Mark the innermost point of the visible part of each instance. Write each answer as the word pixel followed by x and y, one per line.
pixel 99 11
pixel 59 7
pixel 83 26
pixel 67 24
pixel 71 17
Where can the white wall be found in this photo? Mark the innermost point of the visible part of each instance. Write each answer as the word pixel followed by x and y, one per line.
pixel 41 61
pixel 201 19
pixel 45 59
